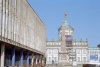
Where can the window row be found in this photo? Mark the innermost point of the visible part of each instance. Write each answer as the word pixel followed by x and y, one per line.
pixel 81 51
pixel 50 51
pixel 52 59
pixel 84 59
pixel 67 32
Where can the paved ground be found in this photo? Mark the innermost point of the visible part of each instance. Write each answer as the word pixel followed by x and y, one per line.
pixel 65 66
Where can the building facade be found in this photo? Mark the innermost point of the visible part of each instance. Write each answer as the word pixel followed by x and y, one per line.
pixel 94 55
pixel 66 50
pixel 22 34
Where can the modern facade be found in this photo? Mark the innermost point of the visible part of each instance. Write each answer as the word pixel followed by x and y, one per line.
pixel 22 34
pixel 66 50
pixel 94 55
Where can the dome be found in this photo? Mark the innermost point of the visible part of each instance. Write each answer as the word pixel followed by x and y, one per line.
pixel 67 26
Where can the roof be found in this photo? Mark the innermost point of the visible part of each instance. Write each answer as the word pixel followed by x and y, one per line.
pixel 93 48
pixel 67 26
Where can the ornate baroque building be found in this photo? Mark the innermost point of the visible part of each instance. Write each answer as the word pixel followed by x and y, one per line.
pixel 66 50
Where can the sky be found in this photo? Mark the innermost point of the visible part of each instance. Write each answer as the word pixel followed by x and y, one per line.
pixel 82 15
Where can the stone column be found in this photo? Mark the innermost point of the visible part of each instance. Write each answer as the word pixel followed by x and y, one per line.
pixel 36 62
pixel 13 56
pixel 32 62
pixel 40 62
pixel 43 62
pixel 2 54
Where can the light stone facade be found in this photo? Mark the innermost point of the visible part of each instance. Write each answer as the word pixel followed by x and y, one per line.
pixel 76 51
pixel 21 26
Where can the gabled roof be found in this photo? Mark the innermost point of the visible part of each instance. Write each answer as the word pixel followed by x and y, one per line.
pixel 67 26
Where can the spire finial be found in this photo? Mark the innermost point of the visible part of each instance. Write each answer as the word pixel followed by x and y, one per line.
pixel 65 14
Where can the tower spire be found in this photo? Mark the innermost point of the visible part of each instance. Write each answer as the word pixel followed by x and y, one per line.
pixel 65 14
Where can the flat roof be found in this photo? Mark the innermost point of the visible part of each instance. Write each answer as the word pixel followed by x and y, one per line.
pixel 93 48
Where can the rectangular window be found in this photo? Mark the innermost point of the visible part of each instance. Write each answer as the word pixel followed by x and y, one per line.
pixel 84 51
pixel 49 51
pixel 55 51
pixel 78 59
pixel 49 59
pixel 78 51
pixel 55 59
pixel 84 59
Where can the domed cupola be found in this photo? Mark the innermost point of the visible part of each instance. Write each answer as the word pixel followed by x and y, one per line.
pixel 66 25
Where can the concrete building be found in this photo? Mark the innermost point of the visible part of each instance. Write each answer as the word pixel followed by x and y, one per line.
pixel 94 55
pixel 66 50
pixel 22 34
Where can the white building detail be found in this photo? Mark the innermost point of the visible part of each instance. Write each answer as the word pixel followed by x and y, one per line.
pixel 75 50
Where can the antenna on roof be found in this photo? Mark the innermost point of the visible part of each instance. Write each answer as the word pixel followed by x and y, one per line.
pixel 65 14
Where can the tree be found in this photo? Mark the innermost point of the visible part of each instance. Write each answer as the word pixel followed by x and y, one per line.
pixel 98 45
